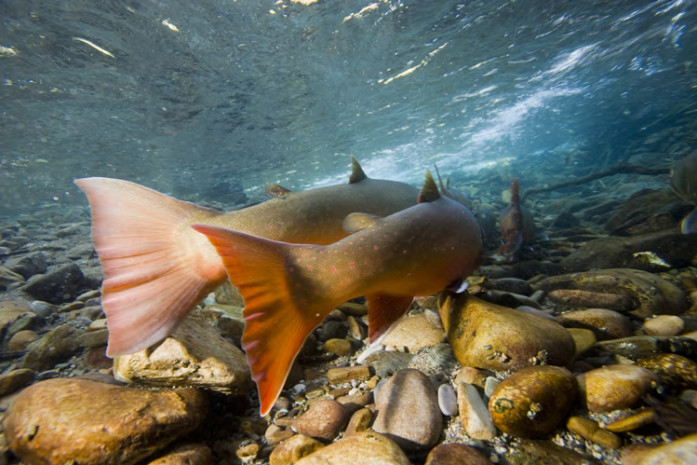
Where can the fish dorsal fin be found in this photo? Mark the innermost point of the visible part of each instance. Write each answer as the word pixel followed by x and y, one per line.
pixel 355 222
pixel 277 191
pixel 429 192
pixel 357 174
pixel 440 180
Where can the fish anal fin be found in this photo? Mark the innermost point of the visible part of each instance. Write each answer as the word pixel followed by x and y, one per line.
pixel 355 222
pixel 383 311
pixel 357 173
pixel 277 322
pixel 154 269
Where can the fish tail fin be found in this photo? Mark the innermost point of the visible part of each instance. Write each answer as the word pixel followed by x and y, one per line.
pixel 156 268
pixel 279 311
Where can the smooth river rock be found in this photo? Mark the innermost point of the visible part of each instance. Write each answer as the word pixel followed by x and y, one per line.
pixel 60 421
pixel 408 412
pixel 365 447
pixel 533 401
pixel 489 336
pixel 615 387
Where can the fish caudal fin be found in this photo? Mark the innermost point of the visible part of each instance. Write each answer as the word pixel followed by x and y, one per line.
pixel 276 325
pixel 156 268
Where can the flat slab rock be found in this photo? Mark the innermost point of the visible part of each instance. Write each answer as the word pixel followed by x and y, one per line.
pixel 195 355
pixel 60 421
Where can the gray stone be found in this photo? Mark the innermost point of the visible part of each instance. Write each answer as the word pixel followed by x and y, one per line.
pixel 58 286
pixel 56 346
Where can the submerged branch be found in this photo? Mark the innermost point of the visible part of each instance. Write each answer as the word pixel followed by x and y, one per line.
pixel 623 168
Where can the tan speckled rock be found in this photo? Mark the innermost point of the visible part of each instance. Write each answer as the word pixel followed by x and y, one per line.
pixel 533 401
pixel 366 447
pixel 484 335
pixel 615 387
pixel 605 324
pixel 664 325
pixel 324 420
pixel 684 450
pixel 190 454
pixel 414 332
pixel 59 421
pixel 474 415
pixel 293 449
pixel 194 355
pixel 407 410
pixel 456 454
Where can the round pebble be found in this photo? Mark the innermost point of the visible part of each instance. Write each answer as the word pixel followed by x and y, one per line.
pixel 664 325
pixel 615 387
pixel 447 401
pixel 533 401
pixel 324 420
pixel 21 339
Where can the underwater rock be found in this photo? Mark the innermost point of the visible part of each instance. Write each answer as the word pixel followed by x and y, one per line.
pixel 544 453
pixel 474 415
pixel 591 431
pixel 61 285
pixel 7 277
pixel 414 332
pixel 649 252
pixel 194 355
pixel 11 311
pixel 636 347
pixel 531 402
pixel 21 339
pixel 652 295
pixel 484 335
pixel 15 380
pixel 323 420
pixel 293 449
pixel 681 451
pixel 676 371
pixel 60 421
pixel 56 346
pixel 615 387
pixel 364 447
pixel 647 211
pixel 456 454
pixel 664 325
pixel 189 454
pixel 408 412
pixel 605 324
pixel 360 421
pixel 28 265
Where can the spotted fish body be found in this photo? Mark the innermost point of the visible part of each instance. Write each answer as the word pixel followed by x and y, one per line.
pixel 289 288
pixel 156 268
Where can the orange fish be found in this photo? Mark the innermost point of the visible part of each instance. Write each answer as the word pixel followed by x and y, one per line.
pixel 289 289
pixel 517 227
pixel 156 268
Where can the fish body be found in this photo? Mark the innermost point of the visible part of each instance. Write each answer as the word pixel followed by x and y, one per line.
pixel 683 180
pixel 516 226
pixel 289 289
pixel 156 268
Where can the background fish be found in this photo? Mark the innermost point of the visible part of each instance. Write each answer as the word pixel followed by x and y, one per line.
pixel 156 268
pixel 683 179
pixel 516 225
pixel 289 289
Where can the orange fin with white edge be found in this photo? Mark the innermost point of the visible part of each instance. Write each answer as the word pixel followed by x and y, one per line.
pixel 383 311
pixel 276 323
pixel 155 267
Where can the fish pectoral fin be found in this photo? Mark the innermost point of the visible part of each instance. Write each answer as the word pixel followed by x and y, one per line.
pixel 277 191
pixel 355 222
pixel 383 311
pixel 275 325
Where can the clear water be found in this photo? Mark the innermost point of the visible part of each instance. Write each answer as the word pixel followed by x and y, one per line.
pixel 207 99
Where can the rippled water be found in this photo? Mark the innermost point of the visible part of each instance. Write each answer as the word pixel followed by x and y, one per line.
pixel 210 98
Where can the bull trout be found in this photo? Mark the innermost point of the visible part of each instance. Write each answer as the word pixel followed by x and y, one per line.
pixel 156 268
pixel 288 289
